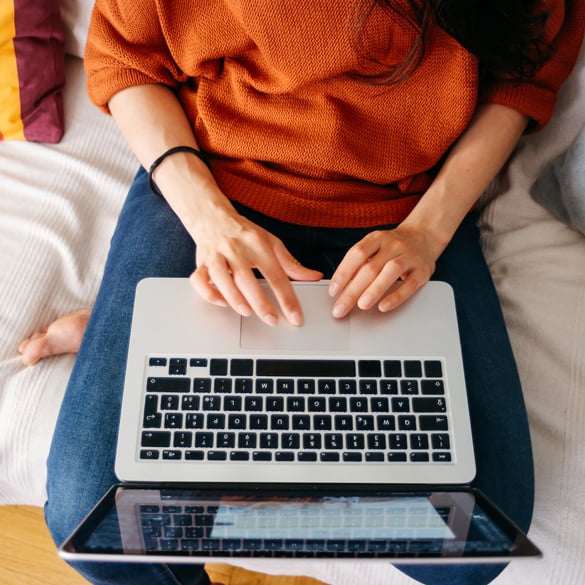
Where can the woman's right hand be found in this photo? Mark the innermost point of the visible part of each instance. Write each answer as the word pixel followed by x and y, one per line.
pixel 229 249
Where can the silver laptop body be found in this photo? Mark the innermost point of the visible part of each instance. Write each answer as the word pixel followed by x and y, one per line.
pixel 172 326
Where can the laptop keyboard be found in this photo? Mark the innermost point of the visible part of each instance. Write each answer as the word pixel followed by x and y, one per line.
pixel 289 410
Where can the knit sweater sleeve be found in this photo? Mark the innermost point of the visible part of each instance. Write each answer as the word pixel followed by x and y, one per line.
pixel 126 47
pixel 537 97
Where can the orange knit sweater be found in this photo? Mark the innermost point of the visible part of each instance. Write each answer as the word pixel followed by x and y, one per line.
pixel 289 131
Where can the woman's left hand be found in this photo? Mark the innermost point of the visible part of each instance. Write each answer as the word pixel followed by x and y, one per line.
pixel 404 256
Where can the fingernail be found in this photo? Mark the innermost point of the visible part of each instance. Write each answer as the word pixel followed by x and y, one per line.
pixel 296 319
pixel 244 310
pixel 271 320
pixel 365 302
pixel 339 310
pixel 333 288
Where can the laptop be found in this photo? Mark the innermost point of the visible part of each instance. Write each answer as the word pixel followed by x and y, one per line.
pixel 343 438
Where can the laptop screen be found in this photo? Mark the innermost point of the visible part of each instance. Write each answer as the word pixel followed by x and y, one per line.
pixel 190 525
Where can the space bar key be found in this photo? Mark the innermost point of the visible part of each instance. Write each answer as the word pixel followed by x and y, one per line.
pixel 305 367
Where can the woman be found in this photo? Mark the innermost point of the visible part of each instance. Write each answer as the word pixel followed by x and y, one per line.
pixel 347 140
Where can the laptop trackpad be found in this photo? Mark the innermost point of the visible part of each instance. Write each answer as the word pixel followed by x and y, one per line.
pixel 320 331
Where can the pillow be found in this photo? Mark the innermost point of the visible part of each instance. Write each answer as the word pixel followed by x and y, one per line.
pixel 560 188
pixel 32 70
pixel 76 15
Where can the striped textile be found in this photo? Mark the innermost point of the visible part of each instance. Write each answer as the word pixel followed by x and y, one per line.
pixel 32 70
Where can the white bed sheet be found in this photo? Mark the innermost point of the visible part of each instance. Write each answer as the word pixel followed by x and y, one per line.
pixel 58 211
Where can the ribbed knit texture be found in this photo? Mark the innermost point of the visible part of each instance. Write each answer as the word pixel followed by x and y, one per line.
pixel 289 131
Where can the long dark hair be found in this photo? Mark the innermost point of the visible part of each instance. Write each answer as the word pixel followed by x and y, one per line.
pixel 507 36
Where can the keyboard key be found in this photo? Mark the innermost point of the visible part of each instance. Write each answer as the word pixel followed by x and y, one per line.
pixel 156 439
pixel 385 423
pixel 285 386
pixel 408 387
pixel 400 405
pixel 232 403
pixel 443 457
pixel 333 441
pixel 269 440
pixel 419 441
pixel 338 404
pixel 237 421
pixel 216 455
pixel 201 385
pixel 279 422
pixel 226 440
pixel 284 456
pixel 396 457
pixel 172 455
pixel 304 456
pixel 218 367
pixel 291 440
pixel 203 439
pixel 368 387
pixel 407 423
pixel 157 362
pixel 239 456
pixel 374 457
pixel 315 368
pixel 312 441
pixel 392 368
pixel 429 405
pixel 215 421
pixel 194 455
pixel 434 387
pixel 440 441
pixel 149 454
pixel 190 403
pixel 242 367
pixel 177 366
pixel 222 385
pixel 388 386
pixel 264 386
pixel 419 457
pixel 306 386
pixel 329 457
pixel 352 457
pixel 247 440
pixel 376 441
pixel 183 439
pixel 261 456
pixel 433 369
pixel 168 385
pixel 354 441
pixel 369 369
pixel 244 385
pixel 258 421
pixel 326 387
pixel 412 369
pixel 198 363
pixel 347 387
pixel 433 423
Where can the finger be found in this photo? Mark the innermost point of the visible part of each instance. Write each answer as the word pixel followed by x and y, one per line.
pixel 256 296
pixel 292 267
pixel 202 284
pixel 401 293
pixel 356 257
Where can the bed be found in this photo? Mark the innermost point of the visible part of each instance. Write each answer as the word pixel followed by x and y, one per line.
pixel 58 210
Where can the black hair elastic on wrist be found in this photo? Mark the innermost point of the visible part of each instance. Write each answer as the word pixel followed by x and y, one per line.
pixel 164 155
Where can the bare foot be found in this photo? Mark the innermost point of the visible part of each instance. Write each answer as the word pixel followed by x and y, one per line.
pixel 62 336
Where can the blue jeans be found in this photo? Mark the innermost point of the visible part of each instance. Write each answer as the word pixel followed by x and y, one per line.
pixel 150 241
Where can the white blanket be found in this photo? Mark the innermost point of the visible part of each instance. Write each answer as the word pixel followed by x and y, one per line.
pixel 57 212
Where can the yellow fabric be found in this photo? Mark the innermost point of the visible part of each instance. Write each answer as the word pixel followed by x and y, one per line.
pixel 11 127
